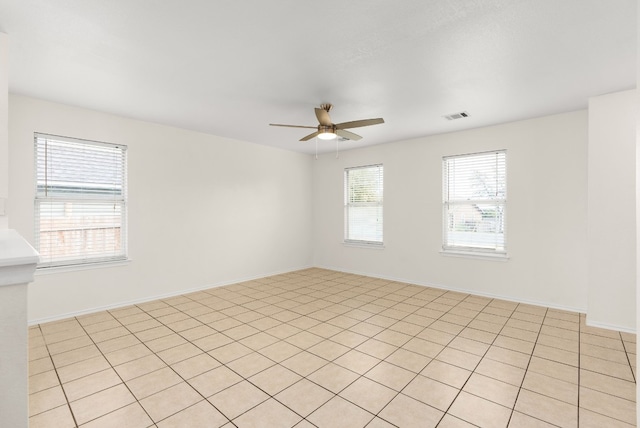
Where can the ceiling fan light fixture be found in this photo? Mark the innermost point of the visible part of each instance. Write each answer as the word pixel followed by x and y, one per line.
pixel 327 135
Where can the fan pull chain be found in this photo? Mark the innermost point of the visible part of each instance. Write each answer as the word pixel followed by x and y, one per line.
pixel 316 148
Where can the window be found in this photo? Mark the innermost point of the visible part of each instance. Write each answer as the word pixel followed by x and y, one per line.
pixel 363 204
pixel 81 201
pixel 475 191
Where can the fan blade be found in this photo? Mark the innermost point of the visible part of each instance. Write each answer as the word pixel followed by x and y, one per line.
pixel 293 126
pixel 359 123
pixel 323 117
pixel 348 135
pixel 310 136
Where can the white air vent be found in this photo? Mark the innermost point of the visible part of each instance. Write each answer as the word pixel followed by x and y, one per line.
pixel 455 116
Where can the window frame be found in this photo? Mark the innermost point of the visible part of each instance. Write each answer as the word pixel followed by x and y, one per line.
pixel 348 240
pixel 80 197
pixel 499 200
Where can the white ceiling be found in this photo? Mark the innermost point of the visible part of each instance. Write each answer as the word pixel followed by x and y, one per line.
pixel 230 68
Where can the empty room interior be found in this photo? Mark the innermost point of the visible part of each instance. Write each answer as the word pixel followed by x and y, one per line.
pixel 335 214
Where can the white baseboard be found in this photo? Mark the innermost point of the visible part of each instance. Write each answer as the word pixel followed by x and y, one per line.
pixel 158 297
pixel 463 290
pixel 609 326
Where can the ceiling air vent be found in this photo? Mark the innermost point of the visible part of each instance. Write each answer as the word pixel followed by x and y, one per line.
pixel 455 116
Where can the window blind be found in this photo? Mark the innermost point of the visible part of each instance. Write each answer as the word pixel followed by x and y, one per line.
pixel 363 204
pixel 81 198
pixel 474 200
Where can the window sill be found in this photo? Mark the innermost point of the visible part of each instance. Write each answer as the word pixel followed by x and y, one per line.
pixel 364 244
pixel 85 266
pixel 496 257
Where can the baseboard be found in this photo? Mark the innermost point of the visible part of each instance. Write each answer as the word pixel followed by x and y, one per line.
pixel 158 297
pixel 610 326
pixel 462 290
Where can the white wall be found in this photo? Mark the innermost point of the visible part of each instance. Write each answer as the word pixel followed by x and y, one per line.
pixel 4 135
pixel 612 215
pixel 546 212
pixel 203 210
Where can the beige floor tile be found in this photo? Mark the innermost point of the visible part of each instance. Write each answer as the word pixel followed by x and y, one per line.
pixel 59 417
pixel 237 399
pixel 304 339
pixel 431 392
pixel 376 348
pixel 370 395
pixel 125 355
pixel 589 419
pixel 357 361
pixel 170 401
pixel 390 375
pixel 195 366
pixel 42 381
pixel 471 346
pixel 118 343
pixel 165 342
pixel 179 353
pixel 621 371
pixel 547 409
pixel 366 329
pixel 329 350
pixel 241 331
pixel 93 406
pixel 449 421
pixel 153 382
pixel 559 342
pixel 446 373
pixel 333 377
pixel 518 333
pixel 40 365
pixel 153 333
pixel 274 379
pixel 139 367
pixel 614 355
pixel 492 389
pixel 459 358
pixel 68 345
pixel 551 387
pixel 269 414
pixel 479 411
pixel 211 342
pixel 523 346
pixel 339 413
pixel 38 352
pixel 554 369
pixel 112 333
pixel 507 356
pixel 423 347
pixel 520 420
pixel 230 352
pixel 201 414
pixel 250 364
pixel 608 384
pixel 608 405
pixel 131 416
pixel 408 360
pixel 280 351
pixel 404 411
pixel 46 400
pixel 258 341
pixel 83 368
pixel 214 381
pixel 375 423
pixel 304 363
pixel 304 397
pixel 393 337
pixel 436 336
pixel 75 356
pixel 501 371
pixel 91 384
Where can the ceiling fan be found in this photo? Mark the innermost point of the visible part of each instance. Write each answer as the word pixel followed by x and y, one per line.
pixel 326 130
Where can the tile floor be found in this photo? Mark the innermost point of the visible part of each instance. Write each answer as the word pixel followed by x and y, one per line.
pixel 329 349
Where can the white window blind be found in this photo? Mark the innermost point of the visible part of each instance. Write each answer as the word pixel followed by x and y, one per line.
pixel 363 188
pixel 81 201
pixel 474 196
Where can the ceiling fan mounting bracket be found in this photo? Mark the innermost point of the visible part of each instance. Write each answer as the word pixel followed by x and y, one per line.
pixel 326 107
